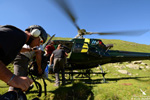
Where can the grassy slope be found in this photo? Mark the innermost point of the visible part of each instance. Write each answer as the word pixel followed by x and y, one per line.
pixel 119 86
pixel 127 46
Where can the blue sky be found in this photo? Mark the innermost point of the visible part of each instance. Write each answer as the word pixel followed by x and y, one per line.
pixel 92 15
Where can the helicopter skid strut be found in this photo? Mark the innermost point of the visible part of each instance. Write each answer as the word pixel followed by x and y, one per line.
pixel 85 74
pixel 103 73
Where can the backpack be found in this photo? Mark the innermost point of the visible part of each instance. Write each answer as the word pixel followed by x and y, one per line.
pixel 34 67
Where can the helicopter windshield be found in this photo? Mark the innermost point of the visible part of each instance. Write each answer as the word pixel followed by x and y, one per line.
pixel 96 47
pixel 84 45
pixel 97 42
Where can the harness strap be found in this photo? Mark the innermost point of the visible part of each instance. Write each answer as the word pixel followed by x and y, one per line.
pixel 38 85
pixel 45 90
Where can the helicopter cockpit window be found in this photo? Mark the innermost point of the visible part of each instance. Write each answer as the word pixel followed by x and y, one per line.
pixel 77 47
pixel 98 43
pixel 102 45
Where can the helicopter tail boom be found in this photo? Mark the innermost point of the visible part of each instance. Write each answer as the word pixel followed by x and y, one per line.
pixel 122 56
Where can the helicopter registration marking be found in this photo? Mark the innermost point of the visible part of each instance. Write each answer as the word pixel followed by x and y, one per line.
pixel 85 45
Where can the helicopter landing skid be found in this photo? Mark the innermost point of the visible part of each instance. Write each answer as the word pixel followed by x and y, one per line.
pixel 103 73
pixel 85 74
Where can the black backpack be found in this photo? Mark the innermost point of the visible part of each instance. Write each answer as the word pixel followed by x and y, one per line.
pixel 33 69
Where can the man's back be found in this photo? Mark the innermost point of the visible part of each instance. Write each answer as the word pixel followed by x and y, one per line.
pixel 59 53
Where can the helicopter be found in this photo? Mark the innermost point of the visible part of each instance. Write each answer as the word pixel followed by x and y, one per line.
pixel 88 53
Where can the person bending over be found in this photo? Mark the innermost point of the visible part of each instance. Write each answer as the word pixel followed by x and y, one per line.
pixel 11 41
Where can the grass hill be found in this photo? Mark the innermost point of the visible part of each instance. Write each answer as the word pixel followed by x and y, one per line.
pixel 127 46
pixel 119 86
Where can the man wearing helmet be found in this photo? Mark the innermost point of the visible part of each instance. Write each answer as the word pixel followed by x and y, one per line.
pixel 11 41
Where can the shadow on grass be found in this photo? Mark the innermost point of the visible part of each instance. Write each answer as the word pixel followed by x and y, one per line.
pixel 100 81
pixel 124 78
pixel 78 91
pixel 3 86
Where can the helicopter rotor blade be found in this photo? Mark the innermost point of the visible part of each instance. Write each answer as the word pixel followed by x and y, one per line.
pixel 63 4
pixel 126 33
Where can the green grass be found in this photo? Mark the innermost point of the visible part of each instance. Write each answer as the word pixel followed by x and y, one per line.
pixel 127 46
pixel 118 87
pixel 122 89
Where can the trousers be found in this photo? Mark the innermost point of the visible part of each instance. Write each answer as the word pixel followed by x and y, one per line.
pixel 21 63
pixel 59 66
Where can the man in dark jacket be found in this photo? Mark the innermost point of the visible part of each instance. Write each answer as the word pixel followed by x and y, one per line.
pixel 59 61
pixel 11 41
